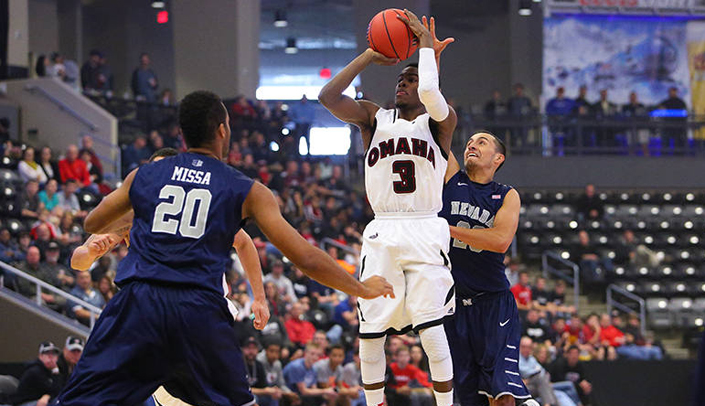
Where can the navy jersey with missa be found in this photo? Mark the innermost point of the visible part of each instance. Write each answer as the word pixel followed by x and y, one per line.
pixel 188 209
pixel 473 205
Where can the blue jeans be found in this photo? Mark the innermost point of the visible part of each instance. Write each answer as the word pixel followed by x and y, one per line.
pixel 566 393
pixel 641 353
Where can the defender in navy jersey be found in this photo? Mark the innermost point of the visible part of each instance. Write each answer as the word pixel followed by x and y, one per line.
pixel 170 324
pixel 485 332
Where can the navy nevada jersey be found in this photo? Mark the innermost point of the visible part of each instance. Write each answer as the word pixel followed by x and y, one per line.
pixel 468 204
pixel 188 209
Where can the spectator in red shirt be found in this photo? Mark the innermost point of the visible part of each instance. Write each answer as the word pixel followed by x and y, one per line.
pixel 610 336
pixel 299 330
pixel 73 168
pixel 411 384
pixel 522 292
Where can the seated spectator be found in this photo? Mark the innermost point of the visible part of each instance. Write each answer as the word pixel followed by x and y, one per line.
pixel 558 301
pixel 135 154
pixel 71 167
pixel 243 114
pixel 610 336
pixel 301 378
pixel 39 384
pixel 60 277
pixel 256 375
pixel 533 374
pixel 270 358
pixel 29 169
pixel 48 165
pixel 300 331
pixel 106 287
pixel 345 314
pixel 411 383
pixel 277 307
pixel 84 290
pixel 329 370
pixel 592 264
pixel 636 346
pixel 283 284
pixel 87 146
pixel 533 327
pixel 301 283
pixel 68 200
pixel 95 174
pixel 575 330
pixel 69 358
pixel 351 381
pixel 419 358
pixel 48 196
pixel 28 202
pixel 512 270
pixel 70 235
pixel 635 253
pixel 541 298
pixel 589 206
pixel 591 338
pixel 522 292
pixel 9 249
pixel 569 368
pixel 31 266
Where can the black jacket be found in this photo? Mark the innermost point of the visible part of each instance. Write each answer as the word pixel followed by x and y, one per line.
pixel 36 382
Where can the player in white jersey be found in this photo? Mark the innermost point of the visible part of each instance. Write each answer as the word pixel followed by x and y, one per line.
pixel 406 158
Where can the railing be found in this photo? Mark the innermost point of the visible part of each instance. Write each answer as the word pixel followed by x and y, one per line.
pixel 329 241
pixel 612 303
pixel 572 279
pixel 580 135
pixel 41 285
pixel 62 106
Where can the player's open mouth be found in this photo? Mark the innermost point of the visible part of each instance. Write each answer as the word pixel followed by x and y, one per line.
pixel 472 154
pixel 400 92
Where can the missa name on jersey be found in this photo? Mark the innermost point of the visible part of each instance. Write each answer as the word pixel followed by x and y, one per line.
pixel 191 176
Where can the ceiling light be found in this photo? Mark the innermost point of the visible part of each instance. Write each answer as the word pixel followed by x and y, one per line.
pixel 157 4
pixel 280 19
pixel 291 46
pixel 525 8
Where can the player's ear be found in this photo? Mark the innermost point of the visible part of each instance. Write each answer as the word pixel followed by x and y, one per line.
pixel 222 131
pixel 499 158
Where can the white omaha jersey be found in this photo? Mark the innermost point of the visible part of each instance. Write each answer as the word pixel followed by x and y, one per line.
pixel 404 166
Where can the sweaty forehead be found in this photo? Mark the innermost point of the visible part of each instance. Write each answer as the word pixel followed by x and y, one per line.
pixel 478 136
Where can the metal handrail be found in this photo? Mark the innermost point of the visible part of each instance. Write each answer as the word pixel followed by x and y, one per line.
pixel 574 280
pixel 611 302
pixel 40 284
pixel 339 245
pixel 62 106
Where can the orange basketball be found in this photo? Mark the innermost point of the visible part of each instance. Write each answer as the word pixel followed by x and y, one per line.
pixel 389 36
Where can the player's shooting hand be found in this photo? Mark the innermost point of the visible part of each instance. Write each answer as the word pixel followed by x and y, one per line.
pixel 420 32
pixel 261 311
pixel 380 59
pixel 438 45
pixel 376 286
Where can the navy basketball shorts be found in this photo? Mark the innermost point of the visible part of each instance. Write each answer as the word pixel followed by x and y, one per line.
pixel 151 335
pixel 484 340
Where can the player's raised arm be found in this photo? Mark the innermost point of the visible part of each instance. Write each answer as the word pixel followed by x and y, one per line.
pixel 360 113
pixel 111 208
pixel 261 206
pixel 429 90
pixel 500 236
pixel 249 258
pixel 452 168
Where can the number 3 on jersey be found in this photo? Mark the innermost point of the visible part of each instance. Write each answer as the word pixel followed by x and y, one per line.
pixel 407 173
pixel 459 244
pixel 177 206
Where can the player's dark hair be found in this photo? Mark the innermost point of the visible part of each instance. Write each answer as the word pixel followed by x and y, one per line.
pixel 163 153
pixel 412 65
pixel 200 114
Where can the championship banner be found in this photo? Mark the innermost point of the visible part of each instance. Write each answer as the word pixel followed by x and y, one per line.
pixel 696 63
pixel 621 54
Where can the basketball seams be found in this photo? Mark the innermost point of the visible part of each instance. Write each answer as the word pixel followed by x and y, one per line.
pixel 369 37
pixel 384 19
pixel 409 37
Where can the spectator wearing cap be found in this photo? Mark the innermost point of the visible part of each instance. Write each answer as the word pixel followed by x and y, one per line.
pixel 270 358
pixel 39 383
pixel 84 290
pixel 284 285
pixel 71 167
pixel 257 376
pixel 69 358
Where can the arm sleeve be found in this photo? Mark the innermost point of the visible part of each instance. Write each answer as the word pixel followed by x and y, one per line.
pixel 429 91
